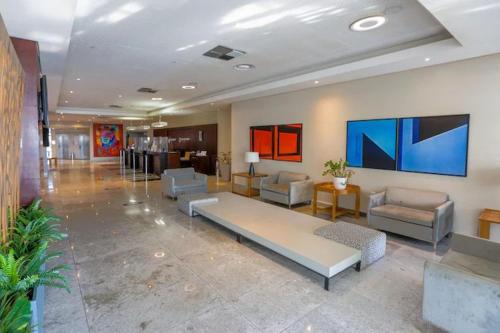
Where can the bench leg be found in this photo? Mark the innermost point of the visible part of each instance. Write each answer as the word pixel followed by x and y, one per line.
pixel 238 238
pixel 327 283
pixel 358 266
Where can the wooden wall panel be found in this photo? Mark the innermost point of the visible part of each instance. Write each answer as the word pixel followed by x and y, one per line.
pixel 27 52
pixel 11 107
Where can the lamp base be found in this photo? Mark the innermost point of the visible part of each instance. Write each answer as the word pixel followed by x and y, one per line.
pixel 251 170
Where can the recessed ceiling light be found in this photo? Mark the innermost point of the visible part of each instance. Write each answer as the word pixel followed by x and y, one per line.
pixel 316 82
pixel 120 96
pixel 78 79
pixel 71 91
pixel 189 86
pixel 368 23
pixel 66 103
pixel 157 99
pixel 427 59
pixel 244 67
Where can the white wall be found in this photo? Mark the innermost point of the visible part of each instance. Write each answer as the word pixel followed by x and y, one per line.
pixel 471 86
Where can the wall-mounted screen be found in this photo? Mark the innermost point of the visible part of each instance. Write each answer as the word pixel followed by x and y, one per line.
pixel 372 143
pixel 437 145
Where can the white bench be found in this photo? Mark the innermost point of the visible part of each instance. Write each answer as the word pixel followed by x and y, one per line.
pixel 286 232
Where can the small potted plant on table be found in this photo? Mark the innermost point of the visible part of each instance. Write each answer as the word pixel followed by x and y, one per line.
pixel 339 172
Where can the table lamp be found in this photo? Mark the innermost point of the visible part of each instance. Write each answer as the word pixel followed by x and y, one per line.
pixel 251 157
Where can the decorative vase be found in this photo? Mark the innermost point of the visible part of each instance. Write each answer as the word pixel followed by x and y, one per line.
pixel 340 183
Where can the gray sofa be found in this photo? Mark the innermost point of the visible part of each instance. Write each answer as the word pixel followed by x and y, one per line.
pixel 424 215
pixel 462 291
pixel 288 188
pixel 182 181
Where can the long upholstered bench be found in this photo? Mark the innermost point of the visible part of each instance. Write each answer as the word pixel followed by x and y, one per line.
pixel 286 232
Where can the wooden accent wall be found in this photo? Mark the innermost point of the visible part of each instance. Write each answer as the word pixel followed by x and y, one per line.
pixel 11 107
pixel 27 52
pixel 208 142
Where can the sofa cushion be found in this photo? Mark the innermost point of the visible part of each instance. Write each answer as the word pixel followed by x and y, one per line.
pixel 472 264
pixel 418 199
pixel 286 177
pixel 411 215
pixel 277 188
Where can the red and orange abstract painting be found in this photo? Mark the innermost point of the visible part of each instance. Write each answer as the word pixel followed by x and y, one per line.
pixel 277 142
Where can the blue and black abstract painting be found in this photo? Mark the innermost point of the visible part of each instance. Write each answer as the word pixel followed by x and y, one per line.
pixel 372 143
pixel 434 144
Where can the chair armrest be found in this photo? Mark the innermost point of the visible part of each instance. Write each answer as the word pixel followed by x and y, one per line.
pixel 201 176
pixel 167 179
pixel 301 191
pixel 376 199
pixel 268 180
pixel 443 220
pixel 477 247
pixel 167 184
pixel 451 297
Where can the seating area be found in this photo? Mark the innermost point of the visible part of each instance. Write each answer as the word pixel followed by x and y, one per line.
pixel 182 181
pixel 249 166
pixel 288 188
pixel 424 215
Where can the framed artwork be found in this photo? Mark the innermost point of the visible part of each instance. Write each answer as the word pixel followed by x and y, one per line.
pixel 288 143
pixel 372 143
pixel 277 142
pixel 107 140
pixel 262 141
pixel 437 145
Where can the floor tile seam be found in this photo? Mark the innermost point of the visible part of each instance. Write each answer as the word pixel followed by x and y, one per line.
pixel 302 317
pixel 80 290
pixel 226 303
pixel 212 286
pixel 391 308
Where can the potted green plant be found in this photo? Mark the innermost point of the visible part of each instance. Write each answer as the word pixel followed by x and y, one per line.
pixel 23 272
pixel 339 172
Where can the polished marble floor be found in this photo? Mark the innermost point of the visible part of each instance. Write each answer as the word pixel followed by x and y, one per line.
pixel 139 265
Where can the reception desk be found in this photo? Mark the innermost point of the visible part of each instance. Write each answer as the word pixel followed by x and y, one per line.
pixel 156 162
pixel 162 161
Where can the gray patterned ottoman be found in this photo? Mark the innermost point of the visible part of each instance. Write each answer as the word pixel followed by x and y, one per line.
pixel 370 242
pixel 185 202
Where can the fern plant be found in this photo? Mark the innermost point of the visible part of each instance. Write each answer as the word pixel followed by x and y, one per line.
pixel 12 279
pixel 15 313
pixel 34 225
pixel 21 275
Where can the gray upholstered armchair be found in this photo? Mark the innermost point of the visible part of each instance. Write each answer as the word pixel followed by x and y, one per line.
pixel 288 188
pixel 462 291
pixel 424 215
pixel 181 181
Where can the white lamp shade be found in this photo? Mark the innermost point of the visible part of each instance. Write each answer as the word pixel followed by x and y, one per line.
pixel 251 157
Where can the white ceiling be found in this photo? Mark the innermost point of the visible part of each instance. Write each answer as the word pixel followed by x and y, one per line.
pixel 49 22
pixel 119 46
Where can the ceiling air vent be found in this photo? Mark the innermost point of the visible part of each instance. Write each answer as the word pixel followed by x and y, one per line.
pixel 147 90
pixel 114 106
pixel 223 53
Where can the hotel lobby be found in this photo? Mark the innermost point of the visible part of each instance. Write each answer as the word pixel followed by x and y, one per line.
pixel 250 166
